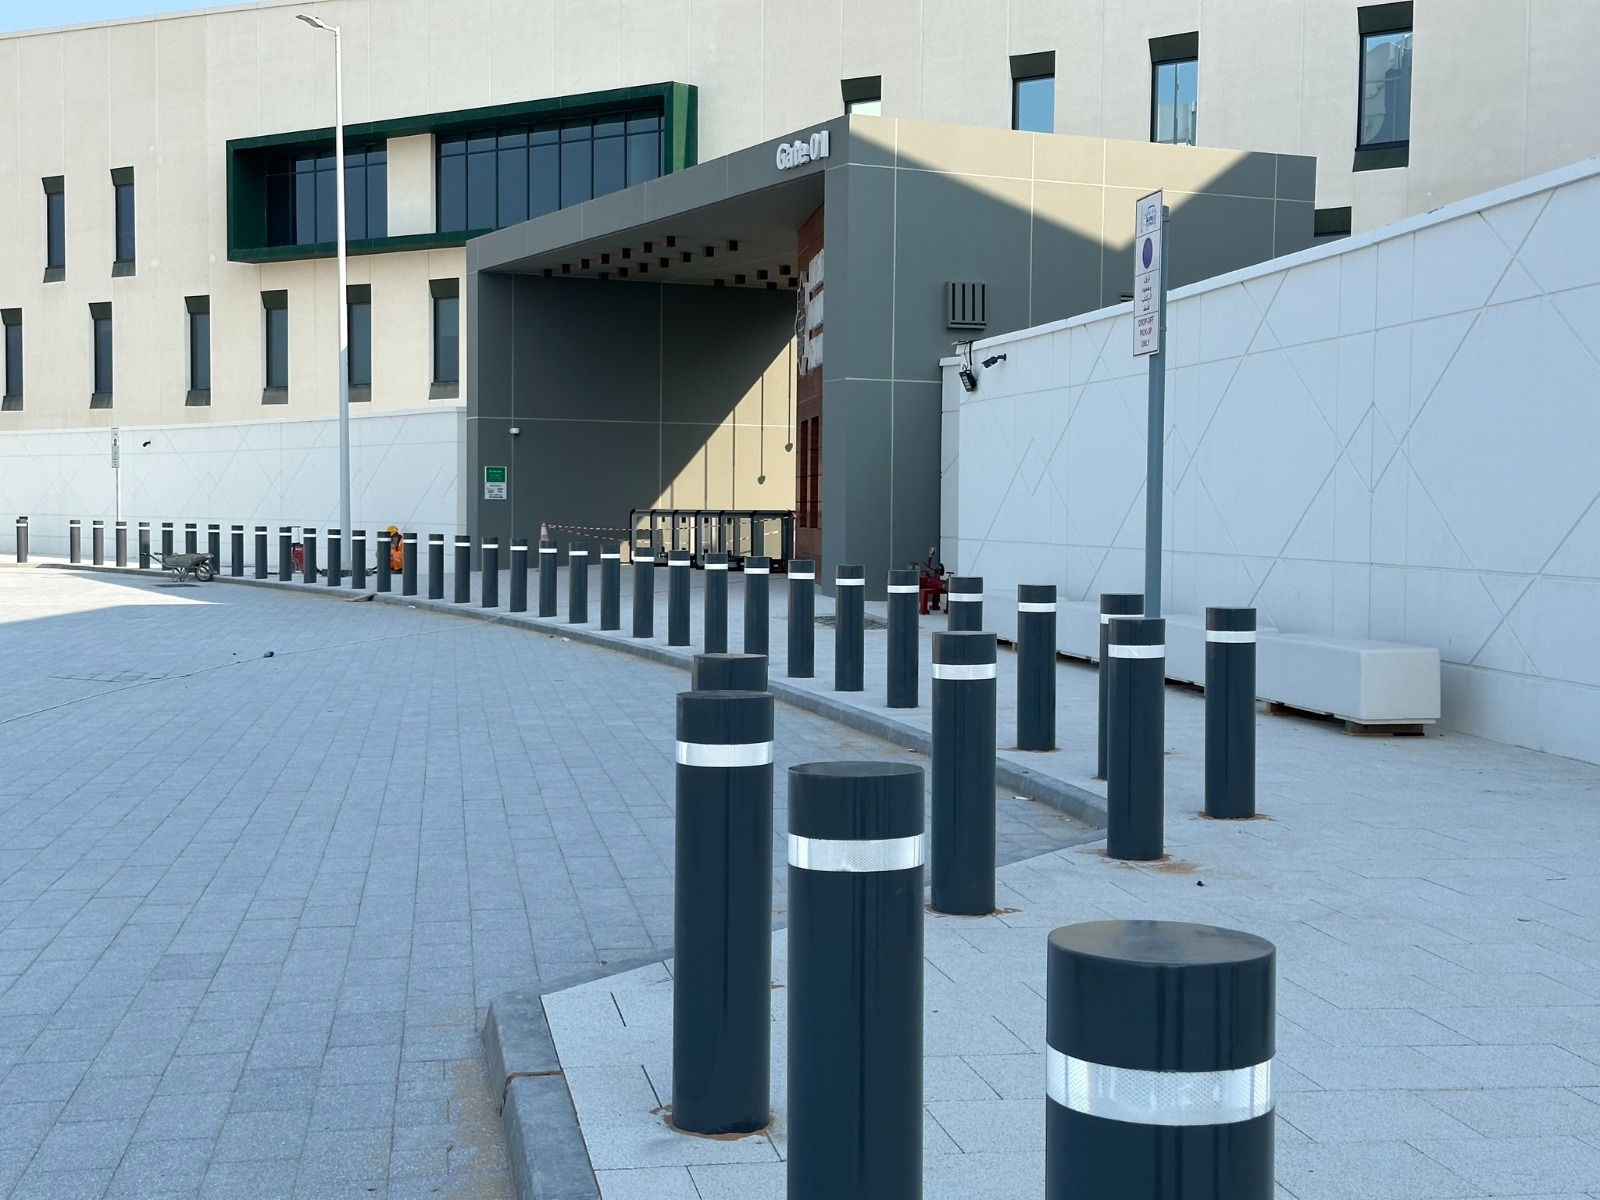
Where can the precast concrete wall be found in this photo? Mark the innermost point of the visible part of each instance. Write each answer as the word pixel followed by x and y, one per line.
pixel 1395 437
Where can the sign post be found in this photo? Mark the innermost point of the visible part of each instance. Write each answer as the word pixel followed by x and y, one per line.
pixel 1149 334
pixel 116 466
pixel 494 483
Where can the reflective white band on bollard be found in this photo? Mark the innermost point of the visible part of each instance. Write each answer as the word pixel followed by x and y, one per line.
pixel 1116 651
pixel 744 754
pixel 679 562
pixel 547 549
pixel 577 554
pixel 963 670
pixel 1157 1097
pixel 849 583
pixel 717 566
pixel 1242 636
pixel 903 589
pixel 611 558
pixel 881 854
pixel 975 597
pixel 802 574
pixel 1036 606
pixel 758 570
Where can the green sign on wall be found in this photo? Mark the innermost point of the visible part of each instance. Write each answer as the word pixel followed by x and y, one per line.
pixel 494 483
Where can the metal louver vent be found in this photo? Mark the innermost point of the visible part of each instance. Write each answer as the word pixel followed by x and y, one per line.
pixel 968 305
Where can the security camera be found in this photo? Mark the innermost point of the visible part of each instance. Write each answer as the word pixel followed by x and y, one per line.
pixel 994 358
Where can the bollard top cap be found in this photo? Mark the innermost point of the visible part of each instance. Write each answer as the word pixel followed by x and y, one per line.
pixel 1233 619
pixel 850 571
pixel 963 648
pixel 757 560
pixel 725 718
pixel 1127 604
pixel 966 583
pixel 802 564
pixel 903 577
pixel 1161 995
pixel 1036 593
pixel 1137 631
pixel 855 801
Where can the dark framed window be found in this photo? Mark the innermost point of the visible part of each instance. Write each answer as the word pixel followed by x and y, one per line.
pixel 492 178
pixel 359 313
pixel 11 320
pixel 122 204
pixel 1033 92
pixel 863 96
pixel 275 313
pixel 1383 121
pixel 446 331
pixel 199 310
pixel 55 229
pixel 100 321
pixel 302 197
pixel 1174 88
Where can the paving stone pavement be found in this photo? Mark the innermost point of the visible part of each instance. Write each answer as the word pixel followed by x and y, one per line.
pixel 252 909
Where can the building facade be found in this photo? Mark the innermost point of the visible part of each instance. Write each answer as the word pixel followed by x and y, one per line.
pixel 166 254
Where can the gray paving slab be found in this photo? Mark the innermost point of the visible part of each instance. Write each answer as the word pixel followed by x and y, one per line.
pixel 253 909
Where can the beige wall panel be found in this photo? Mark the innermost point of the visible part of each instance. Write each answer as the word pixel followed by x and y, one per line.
pixel 588 46
pixel 523 56
pixel 1254 49
pixel 884 39
pixel 803 64
pixel 460 37
pixel 173 214
pixel 296 72
pixel 1126 78
pixel 411 185
pixel 725 60
pixel 966 74
pixel 1329 97
pixel 655 38
pixel 1080 61
pixel 400 77
pixel 1562 80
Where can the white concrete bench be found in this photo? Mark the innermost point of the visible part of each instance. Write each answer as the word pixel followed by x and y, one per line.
pixel 1363 683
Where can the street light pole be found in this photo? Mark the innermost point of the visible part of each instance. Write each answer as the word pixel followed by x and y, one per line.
pixel 342 308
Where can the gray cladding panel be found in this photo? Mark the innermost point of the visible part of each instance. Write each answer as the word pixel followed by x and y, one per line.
pixel 916 441
pixel 587 350
pixel 716 343
pixel 860 269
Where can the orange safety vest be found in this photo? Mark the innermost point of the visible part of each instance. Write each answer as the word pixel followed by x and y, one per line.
pixel 397 555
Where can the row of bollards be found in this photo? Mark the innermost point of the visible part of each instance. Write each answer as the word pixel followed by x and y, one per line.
pixel 1159 1036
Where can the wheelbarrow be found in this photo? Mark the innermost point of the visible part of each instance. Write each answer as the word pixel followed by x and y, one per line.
pixel 184 565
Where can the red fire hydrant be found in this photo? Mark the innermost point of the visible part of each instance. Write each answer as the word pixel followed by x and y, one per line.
pixel 931 584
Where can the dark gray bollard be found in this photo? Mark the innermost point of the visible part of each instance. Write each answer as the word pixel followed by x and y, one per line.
pixel 1230 713
pixel 308 551
pixel 383 567
pixel 578 583
pixel 1136 733
pixel 728 673
pixel 802 619
pixel 22 539
pixel 122 543
pixel 678 563
pixel 74 541
pixel 463 569
pixel 549 553
pixel 849 628
pixel 1112 604
pixel 261 551
pixel 358 559
pixel 335 558
pixel 236 551
pixel 166 539
pixel 965 603
pixel 191 538
pixel 144 545
pixel 490 567
pixel 214 546
pixel 610 585
pixel 715 614
pixel 903 628
pixel 722 917
pixel 408 564
pixel 519 575
pixel 1159 1041
pixel 856 854
pixel 963 773
pixel 285 554
pixel 436 566
pixel 97 543
pixel 1036 666
pixel 644 597
pixel 757 584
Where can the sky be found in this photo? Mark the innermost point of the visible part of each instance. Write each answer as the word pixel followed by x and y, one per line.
pixel 40 14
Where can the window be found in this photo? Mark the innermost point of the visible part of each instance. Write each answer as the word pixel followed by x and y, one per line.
pixel 276 324
pixel 1383 125
pixel 302 197
pixel 493 178
pixel 808 500
pixel 1033 92
pixel 864 96
pixel 1331 223
pixel 100 319
pixel 359 358
pixel 11 320
pixel 1174 88
pixel 55 229
pixel 199 309
pixel 122 198
pixel 446 336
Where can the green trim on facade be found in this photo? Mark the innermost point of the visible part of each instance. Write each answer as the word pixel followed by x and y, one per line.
pixel 247 206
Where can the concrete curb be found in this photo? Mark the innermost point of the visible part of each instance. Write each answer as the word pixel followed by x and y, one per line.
pixel 545 1148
